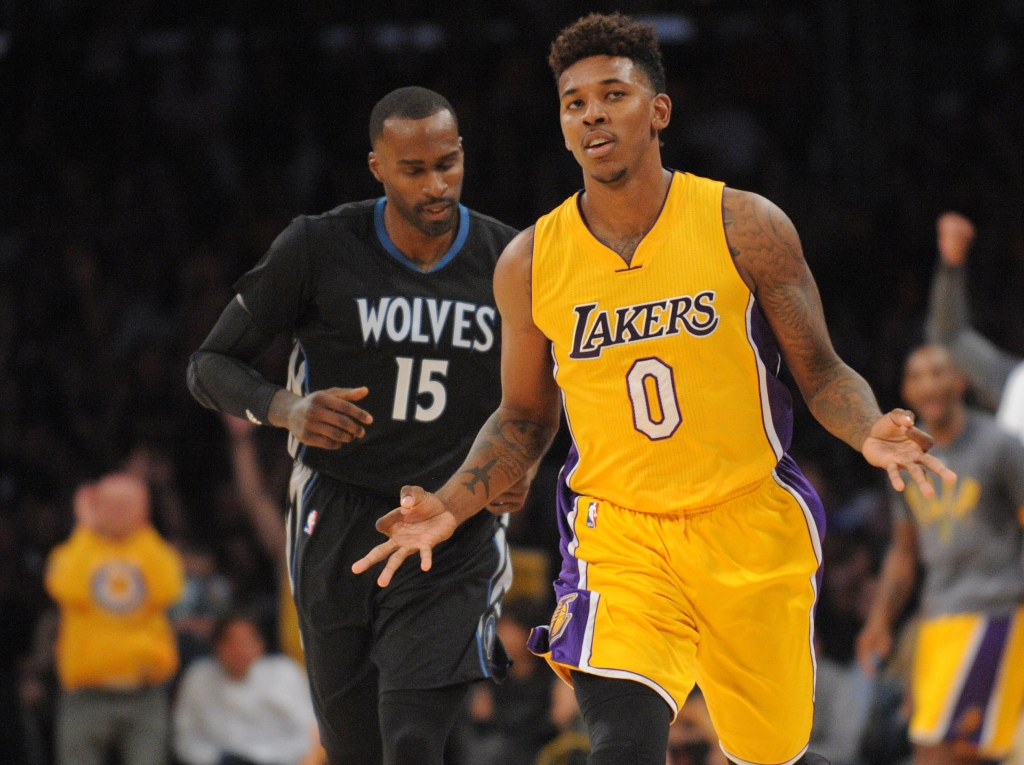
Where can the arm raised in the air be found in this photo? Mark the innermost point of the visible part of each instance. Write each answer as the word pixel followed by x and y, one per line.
pixel 767 253
pixel 512 440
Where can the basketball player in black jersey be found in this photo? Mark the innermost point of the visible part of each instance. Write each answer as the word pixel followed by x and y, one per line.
pixel 395 368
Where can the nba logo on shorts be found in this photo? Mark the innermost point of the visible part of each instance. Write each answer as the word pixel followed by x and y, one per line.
pixel 592 515
pixel 310 521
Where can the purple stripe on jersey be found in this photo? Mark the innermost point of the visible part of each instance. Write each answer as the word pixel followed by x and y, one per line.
pixel 565 502
pixel 780 401
pixel 969 715
pixel 789 473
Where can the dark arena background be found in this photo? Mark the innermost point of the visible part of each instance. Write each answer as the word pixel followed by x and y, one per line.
pixel 150 151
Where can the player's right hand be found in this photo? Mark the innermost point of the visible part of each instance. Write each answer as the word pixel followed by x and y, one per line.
pixel 418 525
pixel 874 644
pixel 955 235
pixel 326 418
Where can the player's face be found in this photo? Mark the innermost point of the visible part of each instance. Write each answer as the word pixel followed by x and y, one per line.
pixel 610 115
pixel 420 164
pixel 932 385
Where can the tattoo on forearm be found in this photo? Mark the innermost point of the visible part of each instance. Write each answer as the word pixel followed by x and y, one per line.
pixel 480 475
pixel 767 253
pixel 504 451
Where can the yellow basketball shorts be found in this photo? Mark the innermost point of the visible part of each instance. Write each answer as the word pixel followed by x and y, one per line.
pixel 723 596
pixel 968 684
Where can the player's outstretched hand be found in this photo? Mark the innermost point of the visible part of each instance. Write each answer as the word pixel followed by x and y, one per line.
pixel 874 644
pixel 894 444
pixel 955 235
pixel 324 418
pixel 421 522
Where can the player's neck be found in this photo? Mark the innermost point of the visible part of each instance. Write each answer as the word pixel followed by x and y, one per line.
pixel 948 430
pixel 422 249
pixel 629 207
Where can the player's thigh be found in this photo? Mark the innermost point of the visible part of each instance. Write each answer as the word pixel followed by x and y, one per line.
pixel 438 628
pixel 146 728
pixel 624 610
pixel 335 610
pixel 758 559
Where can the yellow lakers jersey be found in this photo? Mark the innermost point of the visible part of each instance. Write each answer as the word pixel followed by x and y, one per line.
pixel 667 366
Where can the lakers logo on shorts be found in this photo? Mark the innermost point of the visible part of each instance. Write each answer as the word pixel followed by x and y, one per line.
pixel 561 617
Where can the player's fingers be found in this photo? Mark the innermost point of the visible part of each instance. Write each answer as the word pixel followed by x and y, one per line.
pixel 895 478
pixel 376 555
pixel 426 557
pixel 321 440
pixel 331 417
pixel 921 438
pixel 387 521
pixel 412 496
pixel 394 562
pixel 903 418
pixel 340 400
pixel 936 465
pixel 921 479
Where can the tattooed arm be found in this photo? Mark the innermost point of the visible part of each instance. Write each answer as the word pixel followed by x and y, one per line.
pixel 767 253
pixel 899 574
pixel 510 443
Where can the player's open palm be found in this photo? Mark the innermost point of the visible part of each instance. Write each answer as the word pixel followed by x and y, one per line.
pixel 895 445
pixel 421 522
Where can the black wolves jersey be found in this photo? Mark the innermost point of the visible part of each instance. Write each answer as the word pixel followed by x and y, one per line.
pixel 425 344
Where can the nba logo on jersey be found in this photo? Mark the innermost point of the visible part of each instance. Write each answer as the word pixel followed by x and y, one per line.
pixel 311 521
pixel 592 515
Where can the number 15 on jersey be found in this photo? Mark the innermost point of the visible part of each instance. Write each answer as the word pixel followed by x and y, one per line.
pixel 432 374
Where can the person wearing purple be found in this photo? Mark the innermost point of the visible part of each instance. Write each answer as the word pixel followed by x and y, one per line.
pixel 968 676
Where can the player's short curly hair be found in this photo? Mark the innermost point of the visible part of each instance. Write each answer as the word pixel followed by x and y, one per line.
pixel 609 35
pixel 411 103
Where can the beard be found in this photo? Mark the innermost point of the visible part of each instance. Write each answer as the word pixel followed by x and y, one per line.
pixel 612 176
pixel 414 215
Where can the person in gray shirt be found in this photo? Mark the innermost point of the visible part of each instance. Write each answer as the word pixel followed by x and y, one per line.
pixel 997 377
pixel 968 678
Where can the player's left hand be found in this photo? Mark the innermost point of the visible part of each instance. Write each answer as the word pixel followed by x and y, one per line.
pixel 421 522
pixel 895 444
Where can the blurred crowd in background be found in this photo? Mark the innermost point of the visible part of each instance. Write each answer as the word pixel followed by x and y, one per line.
pixel 151 151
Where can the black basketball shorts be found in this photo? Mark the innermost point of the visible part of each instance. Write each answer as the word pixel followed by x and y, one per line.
pixel 424 630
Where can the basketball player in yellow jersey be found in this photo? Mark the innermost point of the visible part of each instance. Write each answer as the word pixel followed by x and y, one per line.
pixel 656 305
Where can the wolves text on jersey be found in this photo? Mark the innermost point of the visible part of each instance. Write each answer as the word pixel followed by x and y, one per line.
pixel 597 329
pixel 424 320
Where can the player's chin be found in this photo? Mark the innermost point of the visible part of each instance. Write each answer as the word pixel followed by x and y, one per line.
pixel 438 226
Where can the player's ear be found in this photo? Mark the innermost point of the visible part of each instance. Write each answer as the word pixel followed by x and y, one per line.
pixel 662 111
pixel 374 164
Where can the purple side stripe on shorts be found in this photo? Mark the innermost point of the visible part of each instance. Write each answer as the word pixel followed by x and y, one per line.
pixel 790 474
pixel 968 717
pixel 565 502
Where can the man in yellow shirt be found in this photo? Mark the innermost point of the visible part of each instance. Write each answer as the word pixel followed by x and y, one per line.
pixel 113 581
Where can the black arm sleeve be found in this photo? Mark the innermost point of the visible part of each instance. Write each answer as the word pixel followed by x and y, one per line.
pixel 219 373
